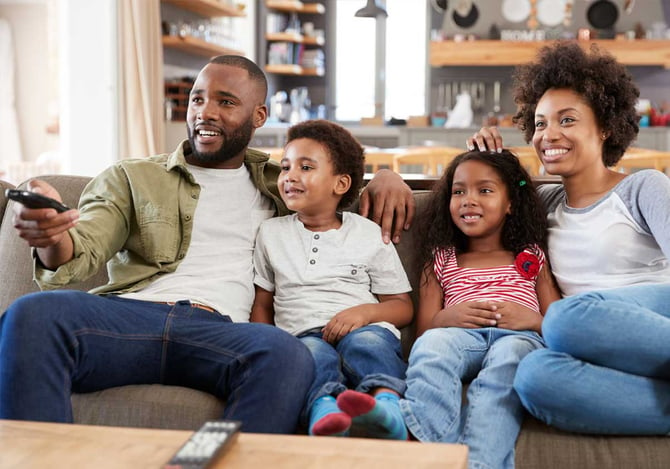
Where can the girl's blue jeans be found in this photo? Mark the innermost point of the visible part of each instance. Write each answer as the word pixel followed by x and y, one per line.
pixel 364 359
pixel 440 361
pixel 55 343
pixel 607 366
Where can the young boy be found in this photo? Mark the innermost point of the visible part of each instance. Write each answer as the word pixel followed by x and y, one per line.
pixel 325 276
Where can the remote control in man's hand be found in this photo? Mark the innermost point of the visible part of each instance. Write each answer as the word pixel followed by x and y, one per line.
pixel 211 440
pixel 35 200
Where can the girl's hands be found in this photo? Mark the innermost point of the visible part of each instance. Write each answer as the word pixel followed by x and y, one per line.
pixel 518 318
pixel 475 314
pixel 469 315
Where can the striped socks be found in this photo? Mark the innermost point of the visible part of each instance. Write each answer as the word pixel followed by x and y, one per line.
pixel 374 417
pixel 326 419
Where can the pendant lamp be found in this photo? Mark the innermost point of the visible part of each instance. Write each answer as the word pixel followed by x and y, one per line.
pixel 371 10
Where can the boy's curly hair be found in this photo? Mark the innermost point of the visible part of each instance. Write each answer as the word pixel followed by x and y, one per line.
pixel 527 223
pixel 605 85
pixel 344 150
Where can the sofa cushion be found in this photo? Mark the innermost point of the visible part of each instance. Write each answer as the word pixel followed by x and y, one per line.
pixel 151 406
pixel 3 200
pixel 542 446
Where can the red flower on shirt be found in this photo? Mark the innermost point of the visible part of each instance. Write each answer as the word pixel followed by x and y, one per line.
pixel 527 264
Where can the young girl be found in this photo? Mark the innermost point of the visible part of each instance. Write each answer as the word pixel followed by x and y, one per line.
pixel 485 285
pixel 327 277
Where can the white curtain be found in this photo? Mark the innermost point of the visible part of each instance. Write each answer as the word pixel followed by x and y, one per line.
pixel 9 127
pixel 141 123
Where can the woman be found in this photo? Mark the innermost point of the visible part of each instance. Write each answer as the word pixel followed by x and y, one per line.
pixel 606 368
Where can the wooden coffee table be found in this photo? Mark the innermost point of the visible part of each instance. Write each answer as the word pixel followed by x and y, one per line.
pixel 40 445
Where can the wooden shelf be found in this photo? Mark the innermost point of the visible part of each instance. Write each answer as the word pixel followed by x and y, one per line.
pixel 291 6
pixel 197 46
pixel 207 7
pixel 295 37
pixel 297 70
pixel 644 52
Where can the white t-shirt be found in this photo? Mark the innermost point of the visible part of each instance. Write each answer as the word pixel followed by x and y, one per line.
pixel 218 268
pixel 315 275
pixel 621 240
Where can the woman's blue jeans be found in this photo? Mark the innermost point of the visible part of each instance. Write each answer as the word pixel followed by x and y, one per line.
pixel 364 359
pixel 440 361
pixel 607 366
pixel 55 343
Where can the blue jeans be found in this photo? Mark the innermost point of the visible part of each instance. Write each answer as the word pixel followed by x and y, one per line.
pixel 55 343
pixel 364 359
pixel 607 366
pixel 440 361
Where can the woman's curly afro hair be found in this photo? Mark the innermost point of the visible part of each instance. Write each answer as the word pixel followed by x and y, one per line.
pixel 605 85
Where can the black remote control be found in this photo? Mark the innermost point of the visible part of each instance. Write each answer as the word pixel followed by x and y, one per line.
pixel 209 441
pixel 35 200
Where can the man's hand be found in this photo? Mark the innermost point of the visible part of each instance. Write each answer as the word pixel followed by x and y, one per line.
pixel 392 204
pixel 486 138
pixel 46 229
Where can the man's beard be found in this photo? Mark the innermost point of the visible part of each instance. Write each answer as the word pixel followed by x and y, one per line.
pixel 232 145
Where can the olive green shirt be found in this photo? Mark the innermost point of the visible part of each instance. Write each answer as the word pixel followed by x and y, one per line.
pixel 137 217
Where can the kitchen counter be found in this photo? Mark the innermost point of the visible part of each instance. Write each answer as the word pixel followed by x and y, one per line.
pixel 274 135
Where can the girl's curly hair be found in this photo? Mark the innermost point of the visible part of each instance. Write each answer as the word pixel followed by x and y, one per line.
pixel 527 223
pixel 346 154
pixel 605 85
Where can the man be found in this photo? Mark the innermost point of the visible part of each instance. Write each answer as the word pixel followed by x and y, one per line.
pixel 178 231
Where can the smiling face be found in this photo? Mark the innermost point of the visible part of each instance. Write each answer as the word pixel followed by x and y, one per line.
pixel 225 107
pixel 479 201
pixel 567 136
pixel 307 182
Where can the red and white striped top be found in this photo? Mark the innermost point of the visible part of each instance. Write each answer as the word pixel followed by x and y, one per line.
pixel 500 283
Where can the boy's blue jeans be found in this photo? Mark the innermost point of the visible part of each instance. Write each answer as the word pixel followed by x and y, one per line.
pixel 55 343
pixel 440 361
pixel 364 359
pixel 607 366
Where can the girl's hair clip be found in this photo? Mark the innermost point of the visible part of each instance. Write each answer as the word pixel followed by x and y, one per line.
pixel 522 183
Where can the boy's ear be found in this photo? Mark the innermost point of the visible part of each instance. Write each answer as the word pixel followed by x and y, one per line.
pixel 342 184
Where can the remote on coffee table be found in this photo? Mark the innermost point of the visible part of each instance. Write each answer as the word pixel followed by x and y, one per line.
pixel 208 442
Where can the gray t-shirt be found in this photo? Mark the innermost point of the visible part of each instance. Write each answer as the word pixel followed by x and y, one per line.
pixel 623 239
pixel 315 275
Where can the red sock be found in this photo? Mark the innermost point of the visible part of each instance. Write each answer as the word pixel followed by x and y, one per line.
pixel 355 403
pixel 331 424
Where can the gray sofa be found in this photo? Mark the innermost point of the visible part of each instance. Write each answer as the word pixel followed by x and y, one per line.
pixel 158 406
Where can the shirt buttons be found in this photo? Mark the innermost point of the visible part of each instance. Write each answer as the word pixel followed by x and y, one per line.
pixel 181 256
pixel 312 261
pixel 315 249
pixel 354 271
pixel 316 236
pixel 194 196
pixel 187 217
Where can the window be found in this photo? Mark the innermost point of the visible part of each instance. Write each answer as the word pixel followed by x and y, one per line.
pixel 404 46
